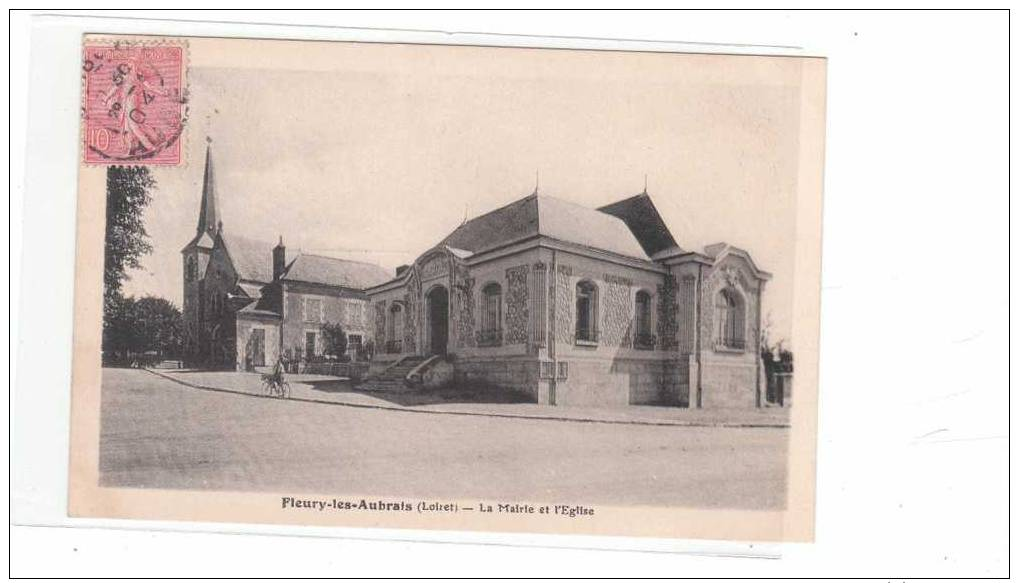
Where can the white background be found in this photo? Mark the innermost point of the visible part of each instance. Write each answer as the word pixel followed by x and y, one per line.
pixel 913 445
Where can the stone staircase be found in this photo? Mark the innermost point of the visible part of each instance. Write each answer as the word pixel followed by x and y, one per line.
pixel 394 378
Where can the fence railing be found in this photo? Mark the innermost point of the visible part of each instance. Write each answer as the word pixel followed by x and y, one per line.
pixel 352 370
pixel 394 346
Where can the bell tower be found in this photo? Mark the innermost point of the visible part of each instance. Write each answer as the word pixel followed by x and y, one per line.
pixel 196 254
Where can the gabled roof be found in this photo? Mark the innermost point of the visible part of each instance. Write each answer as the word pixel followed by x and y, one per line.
pixel 252 259
pixel 641 216
pixel 202 239
pixel 252 301
pixel 251 290
pixel 713 254
pixel 548 216
pixel 336 272
pixel 718 252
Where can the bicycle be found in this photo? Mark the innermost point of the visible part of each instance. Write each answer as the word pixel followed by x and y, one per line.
pixel 275 384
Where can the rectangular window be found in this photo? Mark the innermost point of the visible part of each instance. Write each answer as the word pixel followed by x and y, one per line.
pixel 491 316
pixel 310 349
pixel 546 369
pixel 354 343
pixel 644 337
pixel 562 370
pixel 353 313
pixel 492 312
pixel 312 310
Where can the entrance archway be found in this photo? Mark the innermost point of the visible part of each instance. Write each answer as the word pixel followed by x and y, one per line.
pixel 438 320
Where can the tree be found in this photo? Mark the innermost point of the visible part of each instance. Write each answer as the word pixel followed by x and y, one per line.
pixel 134 326
pixel 334 340
pixel 127 195
pixel 119 333
pixel 770 351
pixel 159 325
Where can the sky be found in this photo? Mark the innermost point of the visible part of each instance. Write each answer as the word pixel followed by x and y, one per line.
pixel 376 152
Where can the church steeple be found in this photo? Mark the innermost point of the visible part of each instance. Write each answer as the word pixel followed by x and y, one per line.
pixel 208 216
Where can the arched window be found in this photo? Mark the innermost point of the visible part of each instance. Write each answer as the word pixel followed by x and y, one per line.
pixel 643 334
pixel 729 320
pixel 587 312
pixel 191 269
pixel 491 315
pixel 394 334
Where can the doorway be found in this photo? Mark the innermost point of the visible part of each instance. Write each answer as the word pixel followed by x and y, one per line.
pixel 256 351
pixel 438 320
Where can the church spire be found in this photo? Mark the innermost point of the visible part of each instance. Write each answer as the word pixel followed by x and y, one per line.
pixel 208 216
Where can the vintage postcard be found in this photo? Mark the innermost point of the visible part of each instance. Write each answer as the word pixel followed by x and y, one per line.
pixel 447 287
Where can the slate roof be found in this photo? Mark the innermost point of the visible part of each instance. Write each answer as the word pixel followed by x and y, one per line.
pixel 337 272
pixel 251 258
pixel 202 239
pixel 548 216
pixel 641 216
pixel 252 290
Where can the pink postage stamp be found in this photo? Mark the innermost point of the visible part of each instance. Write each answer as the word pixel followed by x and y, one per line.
pixel 134 105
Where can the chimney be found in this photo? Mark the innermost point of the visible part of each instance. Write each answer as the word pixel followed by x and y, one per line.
pixel 279 259
pixel 400 269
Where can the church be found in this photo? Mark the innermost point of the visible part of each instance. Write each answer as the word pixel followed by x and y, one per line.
pixel 556 302
pixel 247 303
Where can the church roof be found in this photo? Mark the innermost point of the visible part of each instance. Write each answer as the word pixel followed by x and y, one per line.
pixel 548 216
pixel 208 214
pixel 252 259
pixel 336 272
pixel 202 239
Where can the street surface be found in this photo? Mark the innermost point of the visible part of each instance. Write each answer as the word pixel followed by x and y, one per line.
pixel 159 434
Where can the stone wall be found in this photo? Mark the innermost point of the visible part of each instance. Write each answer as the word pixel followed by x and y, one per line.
pixel 411 313
pixel 564 305
pixel 729 377
pixel 215 327
pixel 728 383
pixel 517 374
pixel 616 293
pixel 668 325
pixel 464 306
pixel 679 378
pixel 272 339
pixel 349 309
pixel 380 324
pixel 516 305
pixel 604 383
pixel 616 311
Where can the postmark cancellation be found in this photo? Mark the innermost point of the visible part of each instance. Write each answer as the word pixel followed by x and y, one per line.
pixel 134 101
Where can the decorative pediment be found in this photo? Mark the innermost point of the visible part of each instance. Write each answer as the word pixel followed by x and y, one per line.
pixel 725 254
pixel 434 265
pixel 732 275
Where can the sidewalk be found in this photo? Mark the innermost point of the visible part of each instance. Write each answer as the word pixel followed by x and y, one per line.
pixel 336 391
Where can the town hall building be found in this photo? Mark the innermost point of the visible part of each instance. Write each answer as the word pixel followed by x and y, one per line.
pixel 569 305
